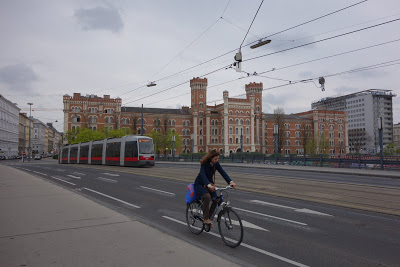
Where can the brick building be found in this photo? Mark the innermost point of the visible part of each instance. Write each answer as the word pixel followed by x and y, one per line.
pixel 203 127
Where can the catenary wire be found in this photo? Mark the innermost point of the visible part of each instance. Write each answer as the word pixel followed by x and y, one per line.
pixel 251 24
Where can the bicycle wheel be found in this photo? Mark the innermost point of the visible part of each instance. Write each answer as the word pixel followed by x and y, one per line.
pixel 230 227
pixel 194 217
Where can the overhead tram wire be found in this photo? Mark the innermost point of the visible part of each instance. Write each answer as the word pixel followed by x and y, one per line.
pixel 251 25
pixel 322 40
pixel 370 67
pixel 172 87
pixel 227 53
pixel 289 66
pixel 192 41
pixel 291 41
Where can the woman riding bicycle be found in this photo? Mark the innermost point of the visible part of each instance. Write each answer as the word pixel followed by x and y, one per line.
pixel 204 185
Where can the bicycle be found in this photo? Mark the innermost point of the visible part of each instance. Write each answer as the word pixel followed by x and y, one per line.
pixel 229 223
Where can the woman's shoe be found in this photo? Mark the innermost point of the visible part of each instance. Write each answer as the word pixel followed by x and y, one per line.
pixel 208 221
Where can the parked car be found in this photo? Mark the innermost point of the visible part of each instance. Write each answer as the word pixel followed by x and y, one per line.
pixel 38 157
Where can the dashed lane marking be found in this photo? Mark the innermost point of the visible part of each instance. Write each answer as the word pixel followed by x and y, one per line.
pixel 270 216
pixel 113 198
pixel 110 174
pixel 106 180
pixel 287 207
pixel 152 189
pixel 72 176
pixel 62 180
pixel 40 173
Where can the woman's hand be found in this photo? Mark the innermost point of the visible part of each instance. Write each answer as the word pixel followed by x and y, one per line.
pixel 211 187
pixel 232 184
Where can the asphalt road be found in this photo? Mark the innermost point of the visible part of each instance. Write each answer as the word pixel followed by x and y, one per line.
pixel 279 231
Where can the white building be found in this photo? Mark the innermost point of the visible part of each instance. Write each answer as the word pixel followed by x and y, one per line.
pixel 396 134
pixel 9 122
pixel 38 137
pixel 364 109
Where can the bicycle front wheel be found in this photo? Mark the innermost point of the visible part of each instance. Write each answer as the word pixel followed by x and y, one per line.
pixel 230 227
pixel 194 217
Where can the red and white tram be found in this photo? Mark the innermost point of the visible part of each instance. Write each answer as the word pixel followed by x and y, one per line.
pixel 130 150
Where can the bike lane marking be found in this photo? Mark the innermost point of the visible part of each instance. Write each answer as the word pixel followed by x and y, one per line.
pixel 248 246
pixel 40 173
pixel 148 188
pixel 113 198
pixel 110 174
pixel 62 180
pixel 304 210
pixel 107 180
pixel 270 216
pixel 75 177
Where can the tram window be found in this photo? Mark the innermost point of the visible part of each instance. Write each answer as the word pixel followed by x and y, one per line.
pixel 84 151
pixel 113 149
pixel 131 149
pixel 97 150
pixel 146 146
pixel 74 152
pixel 65 153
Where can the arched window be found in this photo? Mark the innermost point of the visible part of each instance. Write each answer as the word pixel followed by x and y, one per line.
pixel 247 122
pixel 237 131
pixel 201 132
pixel 241 122
pixel 201 122
pixel 237 121
pixel 247 140
pixel 230 112
pixel 201 104
pixel 230 121
pixel 247 130
pixel 237 113
pixel 201 141
pixel 230 130
pixel 258 108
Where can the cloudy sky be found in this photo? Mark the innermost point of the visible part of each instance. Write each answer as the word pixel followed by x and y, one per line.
pixel 52 48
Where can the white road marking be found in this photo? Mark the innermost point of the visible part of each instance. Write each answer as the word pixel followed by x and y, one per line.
pixel 244 223
pixel 248 246
pixel 79 173
pixel 270 216
pixel 172 194
pixel 110 174
pixel 286 207
pixel 40 173
pixel 62 180
pixel 113 198
pixel 75 177
pixel 106 180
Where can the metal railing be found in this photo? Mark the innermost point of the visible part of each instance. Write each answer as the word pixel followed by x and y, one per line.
pixel 320 160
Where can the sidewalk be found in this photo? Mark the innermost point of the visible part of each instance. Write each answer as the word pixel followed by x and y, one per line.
pixel 43 224
pixel 363 172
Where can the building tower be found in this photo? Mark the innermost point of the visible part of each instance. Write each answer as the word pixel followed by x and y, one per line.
pixel 198 107
pixel 254 94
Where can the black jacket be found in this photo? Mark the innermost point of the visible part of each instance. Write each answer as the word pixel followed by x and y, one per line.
pixel 206 174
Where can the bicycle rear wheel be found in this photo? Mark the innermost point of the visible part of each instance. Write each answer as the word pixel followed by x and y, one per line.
pixel 194 217
pixel 230 227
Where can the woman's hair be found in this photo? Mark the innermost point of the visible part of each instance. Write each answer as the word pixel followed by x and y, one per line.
pixel 210 155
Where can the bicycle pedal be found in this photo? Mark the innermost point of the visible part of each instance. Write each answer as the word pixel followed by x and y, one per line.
pixel 207 227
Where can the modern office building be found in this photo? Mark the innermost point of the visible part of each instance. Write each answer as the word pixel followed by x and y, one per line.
pixel 9 123
pixel 364 109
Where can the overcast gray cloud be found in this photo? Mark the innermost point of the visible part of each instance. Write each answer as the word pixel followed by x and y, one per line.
pixel 18 77
pixel 100 18
pixel 60 57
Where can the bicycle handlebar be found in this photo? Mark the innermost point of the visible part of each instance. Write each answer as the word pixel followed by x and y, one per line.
pixel 224 188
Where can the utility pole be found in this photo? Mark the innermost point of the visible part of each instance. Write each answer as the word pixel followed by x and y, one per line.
pixel 30 120
pixel 24 149
pixel 141 130
pixel 241 144
pixel 276 139
pixel 380 129
pixel 173 147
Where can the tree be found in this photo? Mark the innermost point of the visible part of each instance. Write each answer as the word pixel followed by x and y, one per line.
pixel 323 144
pixel 391 149
pixel 279 119
pixel 168 140
pixel 157 140
pixel 306 135
pixel 311 146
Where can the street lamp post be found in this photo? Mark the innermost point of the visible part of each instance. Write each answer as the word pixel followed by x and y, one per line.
pixel 241 144
pixel 191 143
pixel 173 147
pixel 30 120
pixel 380 129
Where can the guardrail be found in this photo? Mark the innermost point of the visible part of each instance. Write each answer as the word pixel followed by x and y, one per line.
pixel 333 161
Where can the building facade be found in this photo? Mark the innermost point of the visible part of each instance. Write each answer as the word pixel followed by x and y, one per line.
pixel 396 134
pixel 39 137
pixel 220 127
pixel 364 110
pixel 91 112
pixel 9 132
pixel 23 140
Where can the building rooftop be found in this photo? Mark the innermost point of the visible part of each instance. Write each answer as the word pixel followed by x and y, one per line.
pixel 365 92
pixel 156 110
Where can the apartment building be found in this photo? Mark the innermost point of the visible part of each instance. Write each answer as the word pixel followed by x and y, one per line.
pixel 364 109
pixel 9 123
